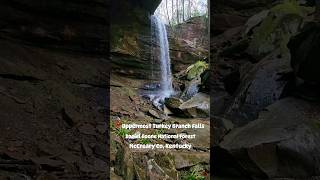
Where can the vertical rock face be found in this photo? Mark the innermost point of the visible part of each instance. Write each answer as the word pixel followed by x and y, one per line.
pixel 78 26
pixel 131 40
pixel 53 89
pixel 131 37
pixel 189 42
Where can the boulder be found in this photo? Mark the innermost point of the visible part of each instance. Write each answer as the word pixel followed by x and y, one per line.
pixel 191 89
pixel 173 104
pixel 283 21
pixel 187 160
pixel 203 134
pixel 261 86
pixel 305 52
pixel 255 20
pixel 283 142
pixel 154 114
pixel 197 106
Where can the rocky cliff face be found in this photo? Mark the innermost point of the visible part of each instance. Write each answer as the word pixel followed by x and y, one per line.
pixel 77 26
pixel 131 40
pixel 189 42
pixel 53 92
pixel 131 37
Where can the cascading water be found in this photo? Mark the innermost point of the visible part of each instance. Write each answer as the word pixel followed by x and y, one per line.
pixel 161 40
pixel 165 67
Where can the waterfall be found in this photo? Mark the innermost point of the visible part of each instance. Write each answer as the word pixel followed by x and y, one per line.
pixel 160 31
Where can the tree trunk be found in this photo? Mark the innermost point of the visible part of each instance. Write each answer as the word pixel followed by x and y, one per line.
pixel 172 11
pixel 189 7
pixel 168 13
pixel 183 10
pixel 177 4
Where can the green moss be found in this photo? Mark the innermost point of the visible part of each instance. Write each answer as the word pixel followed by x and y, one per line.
pixel 122 132
pixel 195 70
pixel 288 7
pixel 195 173
pixel 145 141
pixel 283 21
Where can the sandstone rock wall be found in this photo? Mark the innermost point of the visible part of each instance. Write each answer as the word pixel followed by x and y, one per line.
pixel 54 89
pixel 69 25
pixel 131 37
pixel 189 42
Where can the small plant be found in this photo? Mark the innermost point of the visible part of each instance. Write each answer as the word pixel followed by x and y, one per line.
pixel 196 173
pixel 159 131
pixel 144 141
pixel 122 132
pixel 196 69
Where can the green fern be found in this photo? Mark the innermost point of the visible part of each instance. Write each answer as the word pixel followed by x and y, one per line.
pixel 196 173
pixel 122 132
pixel 196 69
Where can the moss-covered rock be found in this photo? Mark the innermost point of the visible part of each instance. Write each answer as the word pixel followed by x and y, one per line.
pixel 196 69
pixel 283 21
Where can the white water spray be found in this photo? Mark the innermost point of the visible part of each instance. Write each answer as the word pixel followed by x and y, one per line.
pixel 166 88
